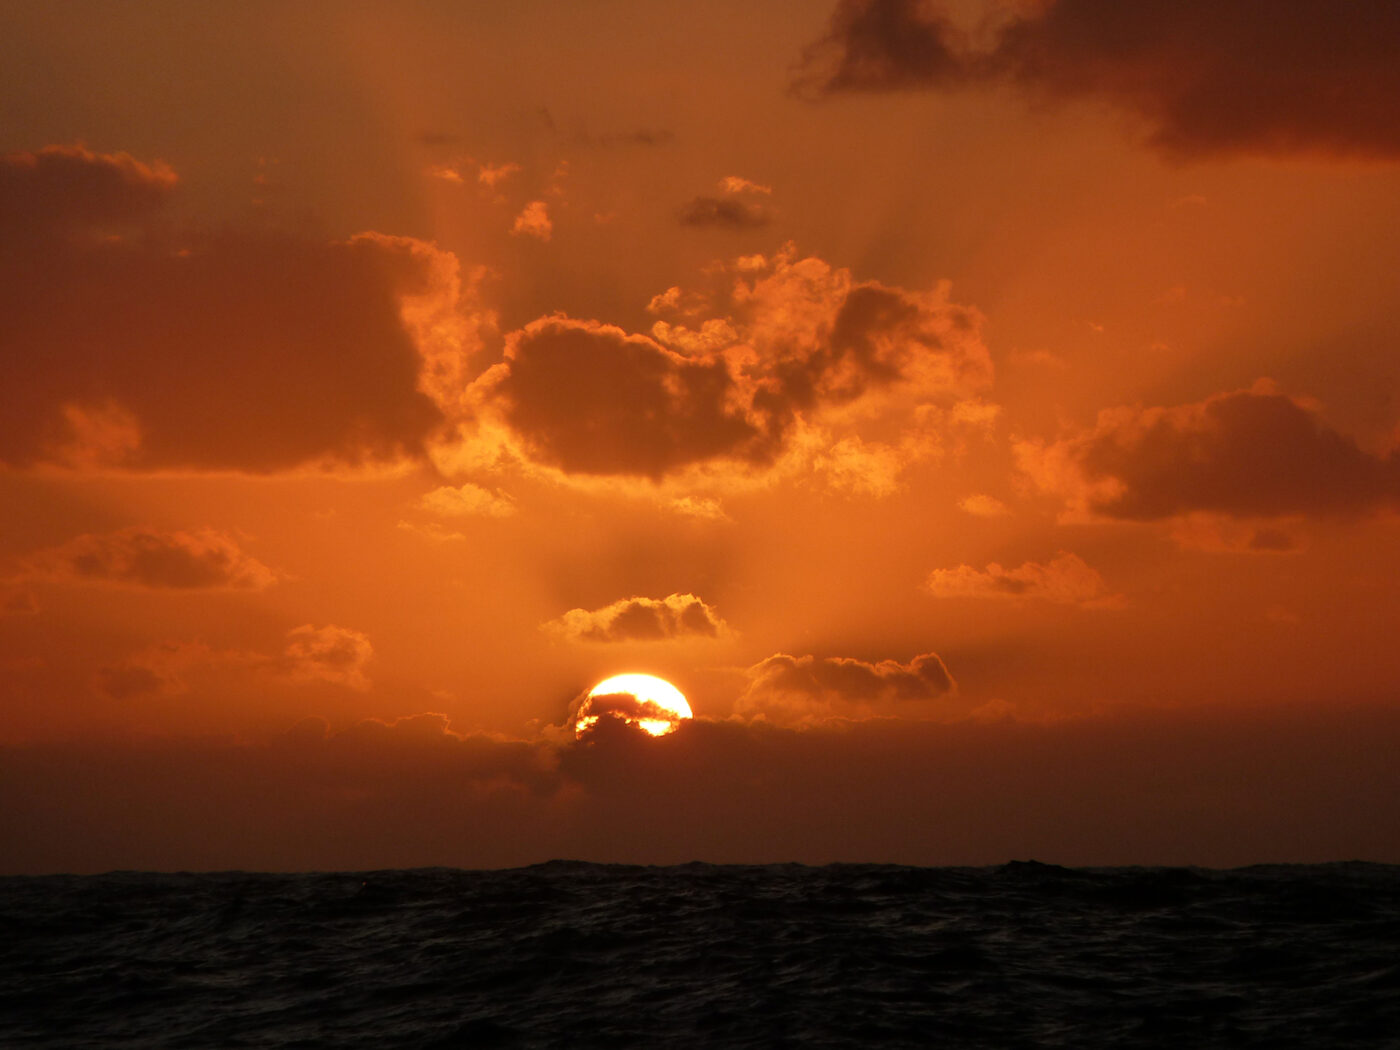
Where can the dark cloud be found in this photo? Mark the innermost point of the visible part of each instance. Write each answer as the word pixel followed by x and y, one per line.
pixel 222 351
pixel 125 681
pixel 881 45
pixel 789 340
pixel 726 213
pixel 1253 453
pixel 1208 788
pixel 144 557
pixel 590 399
pixel 798 689
pixel 637 619
pixel 68 189
pixel 1258 76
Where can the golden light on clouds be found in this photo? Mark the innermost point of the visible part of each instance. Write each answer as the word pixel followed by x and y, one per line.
pixel 861 365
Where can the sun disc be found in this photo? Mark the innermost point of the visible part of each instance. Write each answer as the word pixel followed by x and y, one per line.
pixel 652 704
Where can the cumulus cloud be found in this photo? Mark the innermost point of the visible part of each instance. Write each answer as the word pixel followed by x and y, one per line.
pixel 794 357
pixel 328 654
pixel 152 350
pixel 1205 78
pixel 739 207
pixel 1066 579
pixel 1248 454
pixel 589 398
pixel 796 690
pixel 675 617
pixel 201 559
pixel 534 221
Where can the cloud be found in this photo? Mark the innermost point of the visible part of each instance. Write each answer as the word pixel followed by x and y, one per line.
pixel 1065 579
pixel 1216 788
pixel 1247 454
pixel 126 681
pixel 1221 534
pixel 980 505
pixel 775 372
pixel 533 221
pixel 881 45
pixel 329 654
pixel 726 213
pixel 153 350
pixel 1303 77
pixel 491 175
pixel 468 500
pixel 675 617
pixel 738 208
pixel 17 601
pixel 70 189
pixel 202 559
pixel 797 690
pixel 588 398
pixel 735 184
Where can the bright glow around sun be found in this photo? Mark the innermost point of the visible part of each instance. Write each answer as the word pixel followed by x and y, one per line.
pixel 650 703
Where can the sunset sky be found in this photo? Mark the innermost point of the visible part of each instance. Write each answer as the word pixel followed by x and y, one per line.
pixel 986 413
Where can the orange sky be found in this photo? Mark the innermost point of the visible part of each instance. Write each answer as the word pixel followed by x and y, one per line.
pixel 984 412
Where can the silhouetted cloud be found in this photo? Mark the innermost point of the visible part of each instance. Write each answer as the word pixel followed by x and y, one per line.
pixel 794 690
pixel 1319 781
pixel 790 347
pixel 70 189
pixel 1252 453
pixel 145 350
pixel 741 206
pixel 728 213
pixel 677 616
pixel 588 398
pixel 1065 579
pixel 1295 76
pixel 146 557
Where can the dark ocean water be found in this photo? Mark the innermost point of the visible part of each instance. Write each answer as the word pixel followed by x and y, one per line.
pixel 568 954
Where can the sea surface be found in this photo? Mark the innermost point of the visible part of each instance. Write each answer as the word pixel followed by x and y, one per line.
pixel 571 954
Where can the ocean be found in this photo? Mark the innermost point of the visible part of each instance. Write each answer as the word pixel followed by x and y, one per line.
pixel 571 954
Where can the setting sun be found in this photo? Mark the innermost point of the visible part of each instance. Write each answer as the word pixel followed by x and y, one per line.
pixel 650 703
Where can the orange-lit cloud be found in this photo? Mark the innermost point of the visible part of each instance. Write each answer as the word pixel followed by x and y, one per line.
pixel 329 654
pixel 980 505
pixel 796 690
pixel 534 221
pixel 468 500
pixel 205 351
pixel 61 190
pixel 588 398
pixel 1205 78
pixel 677 616
pixel 739 207
pixel 144 557
pixel 1065 578
pixel 1251 453
pixel 794 356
